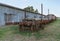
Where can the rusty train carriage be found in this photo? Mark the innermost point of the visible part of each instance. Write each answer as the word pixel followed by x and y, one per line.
pixel 36 23
pixel 30 24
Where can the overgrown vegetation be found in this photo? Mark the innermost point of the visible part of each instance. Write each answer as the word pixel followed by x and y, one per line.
pixel 50 33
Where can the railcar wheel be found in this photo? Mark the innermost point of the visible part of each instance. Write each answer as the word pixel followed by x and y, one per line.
pixel 42 27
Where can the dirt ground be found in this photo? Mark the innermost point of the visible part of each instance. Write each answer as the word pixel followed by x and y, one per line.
pixel 50 33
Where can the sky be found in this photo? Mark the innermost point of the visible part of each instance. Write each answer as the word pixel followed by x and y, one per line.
pixel 52 5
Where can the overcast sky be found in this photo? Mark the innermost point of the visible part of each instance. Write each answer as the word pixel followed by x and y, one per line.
pixel 53 5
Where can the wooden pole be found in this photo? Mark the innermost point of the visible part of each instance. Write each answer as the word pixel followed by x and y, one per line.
pixel 48 14
pixel 41 11
pixel 41 8
pixel 25 13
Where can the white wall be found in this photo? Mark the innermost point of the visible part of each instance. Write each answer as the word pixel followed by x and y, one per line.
pixel 18 15
pixel 1 17
pixel 32 15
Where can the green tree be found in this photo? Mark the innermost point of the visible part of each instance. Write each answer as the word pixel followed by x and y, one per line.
pixel 36 11
pixel 31 9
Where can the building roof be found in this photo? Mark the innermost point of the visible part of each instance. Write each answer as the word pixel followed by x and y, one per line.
pixel 5 5
pixel 51 14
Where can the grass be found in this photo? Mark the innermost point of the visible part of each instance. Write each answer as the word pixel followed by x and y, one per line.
pixel 1 33
pixel 50 33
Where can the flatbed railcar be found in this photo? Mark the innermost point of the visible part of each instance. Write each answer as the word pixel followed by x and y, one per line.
pixel 30 24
